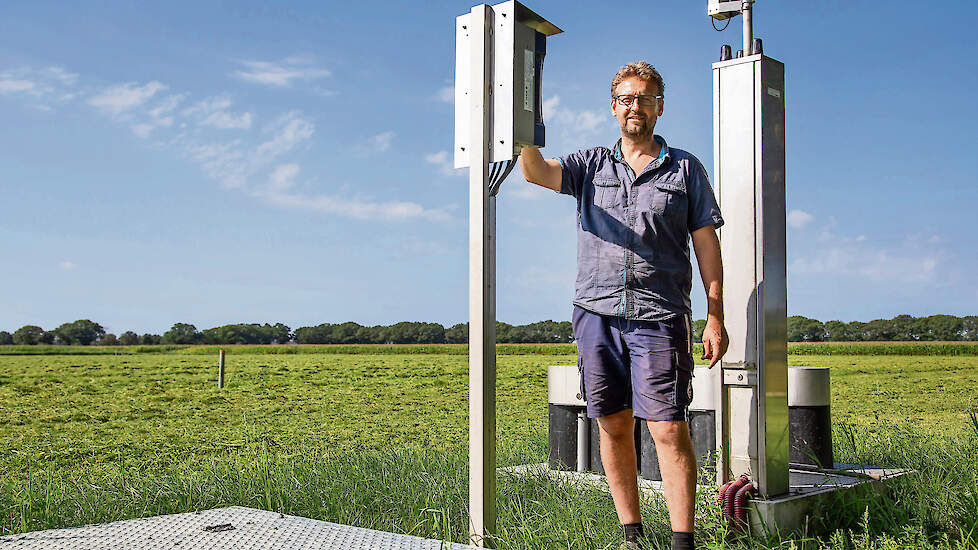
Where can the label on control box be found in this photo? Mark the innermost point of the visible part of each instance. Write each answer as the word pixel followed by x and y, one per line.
pixel 528 78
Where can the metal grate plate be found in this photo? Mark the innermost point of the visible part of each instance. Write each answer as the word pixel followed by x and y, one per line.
pixel 236 528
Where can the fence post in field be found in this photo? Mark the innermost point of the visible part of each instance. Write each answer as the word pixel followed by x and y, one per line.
pixel 220 371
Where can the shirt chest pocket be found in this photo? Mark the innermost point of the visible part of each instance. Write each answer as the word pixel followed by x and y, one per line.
pixel 669 198
pixel 606 192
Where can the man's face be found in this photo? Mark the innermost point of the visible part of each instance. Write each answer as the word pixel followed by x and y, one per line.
pixel 635 120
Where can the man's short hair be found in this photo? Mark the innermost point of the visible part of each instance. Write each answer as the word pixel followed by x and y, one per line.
pixel 642 70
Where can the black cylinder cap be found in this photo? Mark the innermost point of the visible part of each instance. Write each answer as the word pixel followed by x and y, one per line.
pixel 756 47
pixel 725 52
pixel 740 53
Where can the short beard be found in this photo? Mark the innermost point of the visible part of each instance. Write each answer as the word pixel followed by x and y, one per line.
pixel 644 131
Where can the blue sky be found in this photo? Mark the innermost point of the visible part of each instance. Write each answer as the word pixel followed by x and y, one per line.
pixel 223 162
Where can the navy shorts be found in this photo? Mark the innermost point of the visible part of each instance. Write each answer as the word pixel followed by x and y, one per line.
pixel 646 366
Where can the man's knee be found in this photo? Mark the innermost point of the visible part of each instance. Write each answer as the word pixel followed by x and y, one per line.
pixel 620 425
pixel 670 434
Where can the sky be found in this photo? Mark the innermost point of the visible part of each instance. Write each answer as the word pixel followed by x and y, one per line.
pixel 237 161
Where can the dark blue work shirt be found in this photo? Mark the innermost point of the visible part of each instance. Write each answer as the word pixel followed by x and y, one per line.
pixel 633 231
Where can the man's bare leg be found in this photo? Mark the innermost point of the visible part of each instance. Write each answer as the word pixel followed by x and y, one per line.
pixel 620 464
pixel 677 462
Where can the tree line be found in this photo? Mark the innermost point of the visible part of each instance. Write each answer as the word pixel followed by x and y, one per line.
pixel 902 328
pixel 85 332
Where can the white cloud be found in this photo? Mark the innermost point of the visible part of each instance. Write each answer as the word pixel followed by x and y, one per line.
pixel 572 126
pixel 283 177
pixel 225 120
pixel 10 85
pixel 288 131
pixel 235 163
pixel 364 209
pixel 224 162
pixel 118 99
pixel 159 116
pixel 570 122
pixel 437 158
pixel 280 74
pixel 51 83
pixel 66 265
pixel 69 79
pixel 915 260
pixel 546 277
pixel 324 92
pixel 523 190
pixel 214 112
pixel 207 106
pixel 375 144
pixel 446 94
pixel 550 106
pixel 382 141
pixel 279 191
pixel 168 105
pixel 799 218
pixel 143 130
pixel 446 166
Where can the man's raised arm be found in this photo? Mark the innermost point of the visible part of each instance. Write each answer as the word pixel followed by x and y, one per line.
pixel 538 170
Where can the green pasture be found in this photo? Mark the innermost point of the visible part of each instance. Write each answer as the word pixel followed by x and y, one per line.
pixel 379 440
pixel 794 348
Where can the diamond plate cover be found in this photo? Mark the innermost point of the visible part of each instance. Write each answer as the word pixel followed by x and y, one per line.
pixel 233 528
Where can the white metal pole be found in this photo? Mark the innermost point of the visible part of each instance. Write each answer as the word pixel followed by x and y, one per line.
pixel 583 442
pixel 748 26
pixel 482 292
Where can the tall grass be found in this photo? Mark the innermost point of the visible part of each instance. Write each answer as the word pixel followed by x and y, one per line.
pixel 423 492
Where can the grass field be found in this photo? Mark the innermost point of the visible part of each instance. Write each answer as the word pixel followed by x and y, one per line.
pixel 794 348
pixel 379 440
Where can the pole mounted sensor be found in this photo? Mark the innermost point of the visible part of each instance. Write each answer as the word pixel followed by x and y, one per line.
pixel 721 10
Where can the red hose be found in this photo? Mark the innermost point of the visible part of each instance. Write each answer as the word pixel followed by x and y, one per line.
pixel 730 494
pixel 723 491
pixel 740 506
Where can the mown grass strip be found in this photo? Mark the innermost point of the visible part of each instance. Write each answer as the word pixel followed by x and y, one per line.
pixel 87 350
pixel 387 349
pixel 953 349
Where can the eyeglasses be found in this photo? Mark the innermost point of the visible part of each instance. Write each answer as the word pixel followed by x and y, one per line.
pixel 643 100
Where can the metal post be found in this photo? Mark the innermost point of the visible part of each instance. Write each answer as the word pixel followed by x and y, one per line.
pixel 220 370
pixel 583 439
pixel 748 26
pixel 752 404
pixel 482 291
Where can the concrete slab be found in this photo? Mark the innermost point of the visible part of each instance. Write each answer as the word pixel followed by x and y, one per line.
pixel 233 528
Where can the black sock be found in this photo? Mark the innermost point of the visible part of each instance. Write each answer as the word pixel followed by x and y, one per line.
pixel 633 531
pixel 682 541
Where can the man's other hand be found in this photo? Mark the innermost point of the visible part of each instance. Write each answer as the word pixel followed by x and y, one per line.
pixel 715 341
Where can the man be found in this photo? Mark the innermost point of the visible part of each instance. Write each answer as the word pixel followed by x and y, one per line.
pixel 638 203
